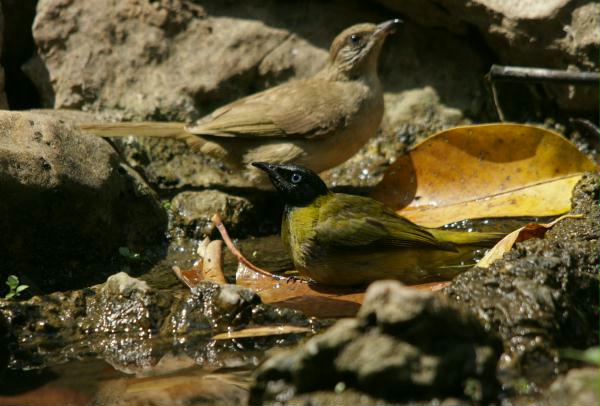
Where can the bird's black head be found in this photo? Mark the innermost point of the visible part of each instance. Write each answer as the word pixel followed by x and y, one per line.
pixel 298 185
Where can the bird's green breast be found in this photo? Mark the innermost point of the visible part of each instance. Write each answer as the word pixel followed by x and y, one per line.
pixel 298 229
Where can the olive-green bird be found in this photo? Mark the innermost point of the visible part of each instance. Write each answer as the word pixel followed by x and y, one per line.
pixel 318 122
pixel 341 239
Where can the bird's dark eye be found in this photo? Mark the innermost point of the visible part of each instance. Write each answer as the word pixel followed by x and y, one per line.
pixel 296 178
pixel 355 39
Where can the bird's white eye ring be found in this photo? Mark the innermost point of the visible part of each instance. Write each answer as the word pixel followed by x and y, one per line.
pixel 296 178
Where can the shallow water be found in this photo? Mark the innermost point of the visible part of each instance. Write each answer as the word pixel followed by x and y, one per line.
pixel 175 380
pixel 200 372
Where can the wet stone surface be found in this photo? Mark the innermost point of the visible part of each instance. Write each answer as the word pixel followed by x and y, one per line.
pixel 404 345
pixel 132 325
pixel 543 295
pixel 192 213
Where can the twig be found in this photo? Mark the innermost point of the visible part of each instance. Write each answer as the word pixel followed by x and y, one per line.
pixel 495 98
pixel 221 227
pixel 500 73
pixel 521 74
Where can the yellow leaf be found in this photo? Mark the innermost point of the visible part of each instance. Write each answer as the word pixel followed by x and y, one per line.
pixel 484 171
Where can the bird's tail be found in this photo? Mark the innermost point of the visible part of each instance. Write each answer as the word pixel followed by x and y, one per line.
pixel 143 129
pixel 467 238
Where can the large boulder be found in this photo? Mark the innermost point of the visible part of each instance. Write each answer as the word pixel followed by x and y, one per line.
pixel 404 345
pixel 66 198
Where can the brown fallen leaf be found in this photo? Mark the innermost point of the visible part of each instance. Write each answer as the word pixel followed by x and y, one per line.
pixel 208 268
pixel 190 276
pixel 212 264
pixel 484 171
pixel 262 331
pixel 531 230
pixel 313 299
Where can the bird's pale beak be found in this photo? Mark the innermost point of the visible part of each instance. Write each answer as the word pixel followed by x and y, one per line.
pixel 387 27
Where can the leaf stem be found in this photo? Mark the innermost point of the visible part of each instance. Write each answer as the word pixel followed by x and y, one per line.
pixel 240 257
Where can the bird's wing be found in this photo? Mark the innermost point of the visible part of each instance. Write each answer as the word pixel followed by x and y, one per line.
pixel 356 221
pixel 303 108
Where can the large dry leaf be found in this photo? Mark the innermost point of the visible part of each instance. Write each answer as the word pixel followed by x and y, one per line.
pixel 529 231
pixel 313 299
pixel 484 171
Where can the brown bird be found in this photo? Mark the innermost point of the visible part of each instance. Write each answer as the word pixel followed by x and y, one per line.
pixel 318 122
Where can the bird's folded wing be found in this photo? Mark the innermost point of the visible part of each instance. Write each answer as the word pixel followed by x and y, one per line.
pixel 361 222
pixel 301 109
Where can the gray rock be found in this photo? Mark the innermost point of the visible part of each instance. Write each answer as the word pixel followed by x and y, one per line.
pixel 193 211
pixel 561 34
pixel 179 61
pixel 578 387
pixel 132 325
pixel 123 284
pixel 149 38
pixel 428 349
pixel 384 302
pixel 543 294
pixel 66 198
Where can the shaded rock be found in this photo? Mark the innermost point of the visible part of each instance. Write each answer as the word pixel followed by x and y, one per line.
pixel 561 34
pixel 3 100
pixel 66 198
pixel 16 48
pixel 193 212
pixel 578 387
pixel 543 294
pixel 403 345
pixel 179 61
pixel 133 326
